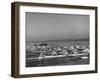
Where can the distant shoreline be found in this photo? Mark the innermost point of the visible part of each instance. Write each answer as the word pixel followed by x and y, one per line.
pixel 57 40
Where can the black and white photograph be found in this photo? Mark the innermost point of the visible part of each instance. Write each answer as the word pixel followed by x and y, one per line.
pixel 57 39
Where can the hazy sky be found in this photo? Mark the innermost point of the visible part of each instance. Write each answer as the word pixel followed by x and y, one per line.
pixel 45 26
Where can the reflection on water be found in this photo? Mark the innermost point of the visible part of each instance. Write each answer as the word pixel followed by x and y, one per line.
pixel 57 61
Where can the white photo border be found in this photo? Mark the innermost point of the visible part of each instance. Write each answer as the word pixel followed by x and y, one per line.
pixel 53 69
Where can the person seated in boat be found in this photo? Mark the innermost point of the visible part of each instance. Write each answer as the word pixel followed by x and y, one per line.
pixel 64 52
pixel 58 48
pixel 54 53
pixel 75 51
pixel 42 54
pixel 65 47
pixel 86 50
pixel 77 46
pixel 72 50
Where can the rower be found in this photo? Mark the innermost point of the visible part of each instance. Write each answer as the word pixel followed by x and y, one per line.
pixel 77 46
pixel 42 54
pixel 65 52
pixel 54 53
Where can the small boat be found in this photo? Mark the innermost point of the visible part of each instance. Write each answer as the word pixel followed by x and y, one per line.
pixel 51 57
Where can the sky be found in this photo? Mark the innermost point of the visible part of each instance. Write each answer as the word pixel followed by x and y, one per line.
pixel 46 26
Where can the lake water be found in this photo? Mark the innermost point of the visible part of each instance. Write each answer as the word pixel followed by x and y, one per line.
pixel 56 62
